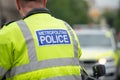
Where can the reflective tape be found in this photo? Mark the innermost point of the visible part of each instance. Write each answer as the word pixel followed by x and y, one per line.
pixel 66 78
pixel 34 63
pixel 44 64
pixel 2 71
pixel 29 40
pixel 75 43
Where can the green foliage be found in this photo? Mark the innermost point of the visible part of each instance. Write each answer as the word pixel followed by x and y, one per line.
pixel 117 22
pixel 72 11
pixel 113 19
pixel 110 17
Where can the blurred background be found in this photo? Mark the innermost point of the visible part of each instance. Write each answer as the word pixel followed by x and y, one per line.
pixel 73 11
pixel 78 13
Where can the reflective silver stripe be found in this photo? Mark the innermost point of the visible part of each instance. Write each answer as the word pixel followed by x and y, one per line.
pixel 34 63
pixel 44 64
pixel 29 40
pixel 75 43
pixel 2 71
pixel 66 78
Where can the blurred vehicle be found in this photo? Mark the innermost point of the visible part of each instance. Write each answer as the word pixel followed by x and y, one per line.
pixel 98 47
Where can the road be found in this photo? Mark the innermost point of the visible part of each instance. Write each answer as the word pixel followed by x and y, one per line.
pixel 108 78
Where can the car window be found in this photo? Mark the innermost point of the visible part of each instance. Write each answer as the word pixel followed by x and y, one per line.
pixel 88 40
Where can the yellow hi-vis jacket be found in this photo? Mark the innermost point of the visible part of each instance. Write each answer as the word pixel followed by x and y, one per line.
pixel 39 47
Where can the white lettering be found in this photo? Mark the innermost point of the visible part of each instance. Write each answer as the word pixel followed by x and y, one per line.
pixel 40 33
pixel 54 40
pixel 60 38
pixel 42 38
pixel 65 38
pixel 48 39
pixel 53 37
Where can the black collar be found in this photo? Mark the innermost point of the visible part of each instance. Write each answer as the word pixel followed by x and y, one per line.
pixel 35 11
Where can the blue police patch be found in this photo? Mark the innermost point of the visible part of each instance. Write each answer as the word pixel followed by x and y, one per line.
pixel 52 37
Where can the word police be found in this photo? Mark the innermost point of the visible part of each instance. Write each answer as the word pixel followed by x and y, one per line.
pixel 52 37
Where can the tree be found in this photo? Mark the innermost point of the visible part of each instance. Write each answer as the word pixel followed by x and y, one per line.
pixel 117 23
pixel 110 18
pixel 113 18
pixel 72 11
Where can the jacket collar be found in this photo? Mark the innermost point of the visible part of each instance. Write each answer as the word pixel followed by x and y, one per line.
pixel 36 11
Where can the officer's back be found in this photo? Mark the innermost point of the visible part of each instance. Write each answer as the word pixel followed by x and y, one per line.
pixel 39 47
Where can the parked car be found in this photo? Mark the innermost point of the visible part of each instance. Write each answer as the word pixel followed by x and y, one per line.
pixel 98 47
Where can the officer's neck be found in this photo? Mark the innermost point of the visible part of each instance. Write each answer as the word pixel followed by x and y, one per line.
pixel 28 8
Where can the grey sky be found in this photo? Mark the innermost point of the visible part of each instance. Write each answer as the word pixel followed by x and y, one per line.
pixel 107 3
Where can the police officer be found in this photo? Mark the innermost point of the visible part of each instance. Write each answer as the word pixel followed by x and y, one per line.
pixel 38 47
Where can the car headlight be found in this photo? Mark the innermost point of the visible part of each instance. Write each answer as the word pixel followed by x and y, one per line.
pixel 102 61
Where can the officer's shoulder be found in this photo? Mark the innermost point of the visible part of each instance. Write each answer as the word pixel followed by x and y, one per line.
pixel 10 22
pixel 63 22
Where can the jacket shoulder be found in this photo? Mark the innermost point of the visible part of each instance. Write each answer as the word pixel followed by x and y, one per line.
pixel 10 22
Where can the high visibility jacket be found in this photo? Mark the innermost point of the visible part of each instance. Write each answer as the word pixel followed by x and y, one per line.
pixel 39 47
